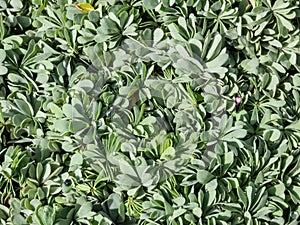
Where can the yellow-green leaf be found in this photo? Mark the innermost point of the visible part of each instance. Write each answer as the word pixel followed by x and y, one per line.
pixel 84 7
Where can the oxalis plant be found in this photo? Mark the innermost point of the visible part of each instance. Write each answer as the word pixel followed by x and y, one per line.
pixel 149 112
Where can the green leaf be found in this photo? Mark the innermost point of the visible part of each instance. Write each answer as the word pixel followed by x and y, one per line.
pixel 214 48
pixel 235 134
pixel 150 4
pixel 3 70
pixel 180 201
pixel 168 208
pixel 116 207
pixel 39 171
pixel 94 16
pixel 24 21
pixel 85 211
pixel 228 158
pixel 278 190
pixel 2 55
pixel 24 107
pixel 19 219
pixel 175 33
pixel 158 34
pixel 275 135
pixel 203 176
pixel 56 110
pixel 296 80
pixel 68 110
pixel 168 154
pixel 30 53
pixel 44 215
pixel 278 67
pixel 17 4
pixel 76 159
pixel 218 61
pixel 177 213
pixel 242 197
pixel 62 125
pixel 250 65
pixel 294 125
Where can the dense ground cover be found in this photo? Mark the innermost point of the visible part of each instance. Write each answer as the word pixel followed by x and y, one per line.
pixel 149 112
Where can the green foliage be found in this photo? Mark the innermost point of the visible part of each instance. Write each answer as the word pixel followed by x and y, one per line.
pixel 125 112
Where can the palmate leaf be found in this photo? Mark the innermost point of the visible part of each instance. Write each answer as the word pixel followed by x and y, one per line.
pixel 149 112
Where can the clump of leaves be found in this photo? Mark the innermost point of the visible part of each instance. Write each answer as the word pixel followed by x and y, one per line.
pixel 149 112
